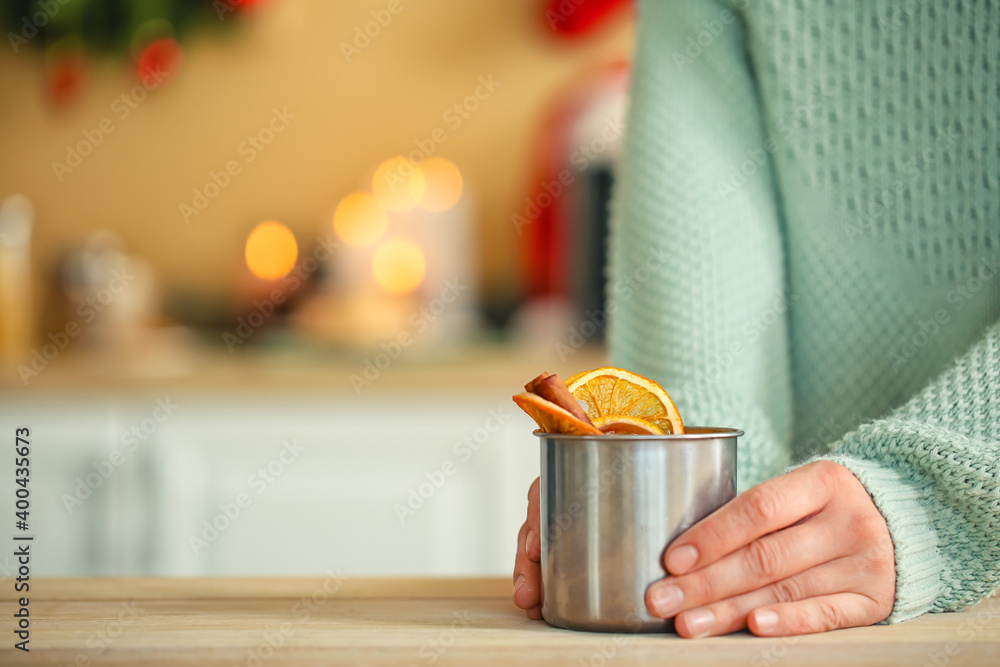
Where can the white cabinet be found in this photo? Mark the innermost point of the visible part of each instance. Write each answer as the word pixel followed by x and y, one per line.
pixel 87 515
pixel 273 482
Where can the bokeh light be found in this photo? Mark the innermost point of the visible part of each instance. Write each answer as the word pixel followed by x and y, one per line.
pixel 443 184
pixel 399 265
pixel 271 250
pixel 399 184
pixel 360 219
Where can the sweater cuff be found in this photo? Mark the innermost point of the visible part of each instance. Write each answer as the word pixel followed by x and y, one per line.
pixel 918 561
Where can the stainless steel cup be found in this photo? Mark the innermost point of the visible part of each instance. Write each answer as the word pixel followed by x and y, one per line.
pixel 610 505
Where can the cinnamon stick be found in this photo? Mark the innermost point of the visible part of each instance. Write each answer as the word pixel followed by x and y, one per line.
pixel 551 388
pixel 530 387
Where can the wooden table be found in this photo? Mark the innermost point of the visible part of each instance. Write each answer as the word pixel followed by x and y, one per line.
pixel 344 621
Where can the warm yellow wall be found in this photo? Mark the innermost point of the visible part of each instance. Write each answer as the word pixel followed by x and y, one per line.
pixel 348 118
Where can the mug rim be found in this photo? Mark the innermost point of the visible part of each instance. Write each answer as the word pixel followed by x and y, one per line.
pixel 690 433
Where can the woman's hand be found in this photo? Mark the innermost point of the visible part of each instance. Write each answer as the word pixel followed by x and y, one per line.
pixel 804 552
pixel 527 562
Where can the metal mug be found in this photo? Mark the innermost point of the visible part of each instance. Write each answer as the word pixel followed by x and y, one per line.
pixel 610 505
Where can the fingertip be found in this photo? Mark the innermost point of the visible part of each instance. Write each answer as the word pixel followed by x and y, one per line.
pixel 695 623
pixel 525 593
pixel 535 613
pixel 650 607
pixel 681 628
pixel 763 622
pixel 681 559
pixel 664 599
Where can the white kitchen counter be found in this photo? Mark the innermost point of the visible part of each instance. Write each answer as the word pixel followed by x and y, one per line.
pixel 424 472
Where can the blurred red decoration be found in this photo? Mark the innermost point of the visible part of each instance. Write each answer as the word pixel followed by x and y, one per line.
pixel 67 77
pixel 240 4
pixel 546 221
pixel 573 18
pixel 160 61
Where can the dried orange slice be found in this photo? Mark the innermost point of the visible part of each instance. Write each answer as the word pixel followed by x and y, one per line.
pixel 615 392
pixel 551 418
pixel 625 425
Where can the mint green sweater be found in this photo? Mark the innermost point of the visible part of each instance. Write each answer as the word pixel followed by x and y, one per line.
pixel 826 179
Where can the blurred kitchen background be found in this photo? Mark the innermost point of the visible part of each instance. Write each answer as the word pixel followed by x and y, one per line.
pixel 271 270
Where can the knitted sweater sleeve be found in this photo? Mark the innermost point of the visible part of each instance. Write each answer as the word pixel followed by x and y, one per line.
pixel 696 284
pixel 933 469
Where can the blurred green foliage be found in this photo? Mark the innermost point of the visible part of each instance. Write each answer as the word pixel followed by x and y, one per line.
pixel 106 25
